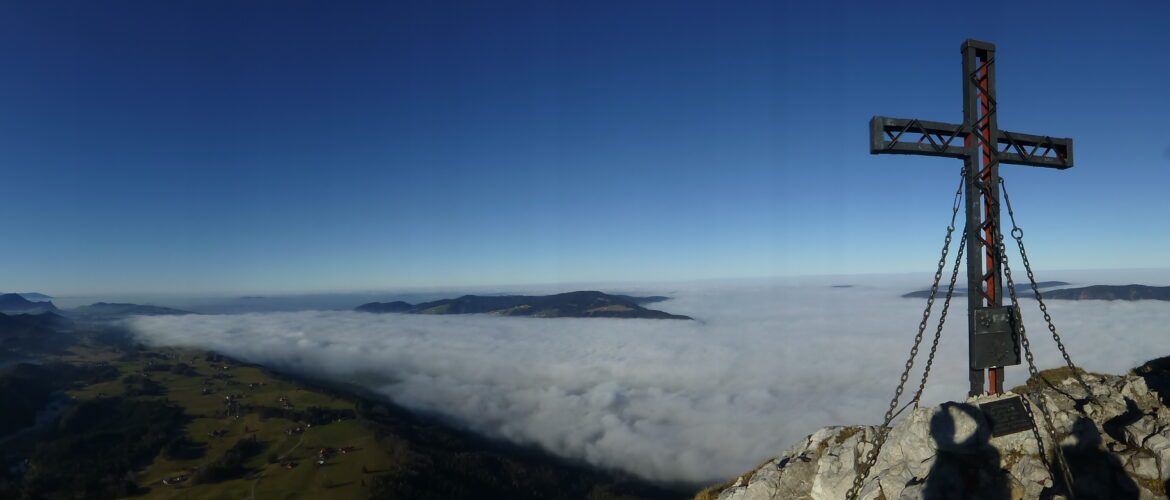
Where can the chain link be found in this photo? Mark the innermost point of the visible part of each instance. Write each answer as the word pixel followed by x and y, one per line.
pixel 1032 371
pixel 880 439
pixel 1036 434
pixel 942 318
pixel 1018 235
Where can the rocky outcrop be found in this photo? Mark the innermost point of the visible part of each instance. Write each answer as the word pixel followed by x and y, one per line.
pixel 1117 447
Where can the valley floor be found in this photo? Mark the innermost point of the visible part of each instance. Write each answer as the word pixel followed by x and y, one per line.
pixel 163 423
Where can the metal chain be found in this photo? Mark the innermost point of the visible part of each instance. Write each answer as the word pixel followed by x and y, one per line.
pixel 1018 235
pixel 1033 372
pixel 942 318
pixel 880 439
pixel 1036 434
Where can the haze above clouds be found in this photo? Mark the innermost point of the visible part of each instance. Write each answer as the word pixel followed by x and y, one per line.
pixel 766 363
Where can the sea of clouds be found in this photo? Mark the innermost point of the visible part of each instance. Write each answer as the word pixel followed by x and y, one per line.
pixel 765 363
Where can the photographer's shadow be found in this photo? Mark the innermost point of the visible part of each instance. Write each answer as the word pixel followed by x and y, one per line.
pixel 968 468
pixel 1096 473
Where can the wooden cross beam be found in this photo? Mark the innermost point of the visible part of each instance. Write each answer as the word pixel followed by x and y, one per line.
pixel 982 146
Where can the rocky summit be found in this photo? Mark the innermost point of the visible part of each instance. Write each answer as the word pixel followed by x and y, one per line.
pixel 1117 447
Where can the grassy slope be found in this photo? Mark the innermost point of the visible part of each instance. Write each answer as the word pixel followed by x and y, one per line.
pixel 341 477
pixel 408 455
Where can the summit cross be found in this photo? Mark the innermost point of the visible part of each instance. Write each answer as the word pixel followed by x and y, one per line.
pixel 978 141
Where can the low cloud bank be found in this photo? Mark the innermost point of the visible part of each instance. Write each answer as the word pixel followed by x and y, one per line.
pixel 765 364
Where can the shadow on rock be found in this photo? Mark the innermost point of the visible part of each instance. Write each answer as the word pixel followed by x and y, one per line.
pixel 967 466
pixel 1156 373
pixel 1115 427
pixel 1096 473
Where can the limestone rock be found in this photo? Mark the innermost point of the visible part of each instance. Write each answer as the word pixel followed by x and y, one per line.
pixel 1115 445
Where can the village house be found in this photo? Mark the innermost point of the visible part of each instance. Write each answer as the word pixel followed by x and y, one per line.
pixel 173 480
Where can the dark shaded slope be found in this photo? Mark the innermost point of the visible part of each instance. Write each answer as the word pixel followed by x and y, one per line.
pixel 26 388
pixel 442 462
pixel 27 334
pixel 1156 373
pixel 98 443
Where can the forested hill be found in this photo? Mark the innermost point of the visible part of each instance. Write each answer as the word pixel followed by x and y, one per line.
pixel 1112 292
pixel 582 304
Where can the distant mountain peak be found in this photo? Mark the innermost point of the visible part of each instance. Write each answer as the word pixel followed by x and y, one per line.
pixel 34 296
pixel 16 303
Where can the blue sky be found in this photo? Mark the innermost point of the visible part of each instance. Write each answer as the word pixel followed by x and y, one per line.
pixel 314 146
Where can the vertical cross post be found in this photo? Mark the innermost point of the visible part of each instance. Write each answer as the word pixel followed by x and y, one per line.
pixel 982 200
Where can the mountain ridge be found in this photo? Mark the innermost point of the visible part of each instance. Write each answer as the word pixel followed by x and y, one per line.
pixel 33 296
pixel 1020 287
pixel 1111 292
pixel 118 310
pixel 15 303
pixel 578 304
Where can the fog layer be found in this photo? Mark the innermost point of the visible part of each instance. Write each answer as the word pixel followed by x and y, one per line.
pixel 764 364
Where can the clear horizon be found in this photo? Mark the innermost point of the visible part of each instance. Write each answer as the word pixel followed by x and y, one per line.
pixel 229 302
pixel 1136 275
